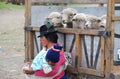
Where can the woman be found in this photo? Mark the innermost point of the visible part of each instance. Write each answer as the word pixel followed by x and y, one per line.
pixel 48 37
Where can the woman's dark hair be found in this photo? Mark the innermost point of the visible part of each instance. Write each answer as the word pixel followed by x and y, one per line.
pixel 52 37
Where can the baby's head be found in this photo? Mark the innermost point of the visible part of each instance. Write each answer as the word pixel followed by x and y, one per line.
pixel 53 54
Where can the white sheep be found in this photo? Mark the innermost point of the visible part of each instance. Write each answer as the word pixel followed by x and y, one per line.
pixel 92 22
pixel 55 18
pixel 103 21
pixel 68 57
pixel 79 21
pixel 67 15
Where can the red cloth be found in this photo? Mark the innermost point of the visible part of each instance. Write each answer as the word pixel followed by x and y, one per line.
pixel 55 69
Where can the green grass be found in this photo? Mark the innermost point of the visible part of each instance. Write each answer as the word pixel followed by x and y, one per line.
pixel 4 6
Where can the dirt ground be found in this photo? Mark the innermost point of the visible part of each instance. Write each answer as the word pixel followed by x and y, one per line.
pixel 11 44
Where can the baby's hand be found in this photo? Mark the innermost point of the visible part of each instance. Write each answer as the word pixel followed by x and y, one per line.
pixel 47 69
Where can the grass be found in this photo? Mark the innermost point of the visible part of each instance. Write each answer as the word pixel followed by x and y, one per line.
pixel 4 6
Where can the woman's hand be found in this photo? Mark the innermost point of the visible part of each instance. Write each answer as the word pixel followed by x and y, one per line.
pixel 30 71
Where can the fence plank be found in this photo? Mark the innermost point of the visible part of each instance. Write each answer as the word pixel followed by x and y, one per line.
pixel 102 58
pixel 108 40
pixel 97 54
pixel 78 51
pixel 117 1
pixel 73 31
pixel 89 71
pixel 86 53
pixel 71 1
pixel 29 43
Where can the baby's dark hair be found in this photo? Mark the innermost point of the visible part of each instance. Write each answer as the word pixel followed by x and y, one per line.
pixel 53 37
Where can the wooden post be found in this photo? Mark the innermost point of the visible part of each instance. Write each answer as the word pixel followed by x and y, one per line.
pixel 112 34
pixel 29 45
pixel 78 50
pixel 108 42
pixel 102 58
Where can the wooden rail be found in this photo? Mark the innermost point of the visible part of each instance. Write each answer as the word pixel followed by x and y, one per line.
pixel 116 18
pixel 71 1
pixel 90 71
pixel 117 1
pixel 74 31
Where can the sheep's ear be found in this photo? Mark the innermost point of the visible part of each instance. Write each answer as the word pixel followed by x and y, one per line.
pixel 48 18
pixel 73 19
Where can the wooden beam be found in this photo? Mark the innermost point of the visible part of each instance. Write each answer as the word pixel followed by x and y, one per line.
pixel 78 49
pixel 117 1
pixel 113 33
pixel 73 31
pixel 116 18
pixel 36 29
pixel 29 43
pixel 70 1
pixel 26 24
pixel 102 57
pixel 108 40
pixel 90 71
pixel 77 31
pixel 89 1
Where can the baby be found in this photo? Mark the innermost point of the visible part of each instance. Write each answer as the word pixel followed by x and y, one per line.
pixel 45 60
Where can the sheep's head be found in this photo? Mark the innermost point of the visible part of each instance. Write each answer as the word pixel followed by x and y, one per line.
pixel 68 57
pixel 92 22
pixel 79 17
pixel 67 15
pixel 66 18
pixel 56 19
pixel 79 20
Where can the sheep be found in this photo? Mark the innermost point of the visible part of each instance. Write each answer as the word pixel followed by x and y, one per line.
pixel 79 21
pixel 67 15
pixel 55 18
pixel 103 21
pixel 68 57
pixel 92 22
